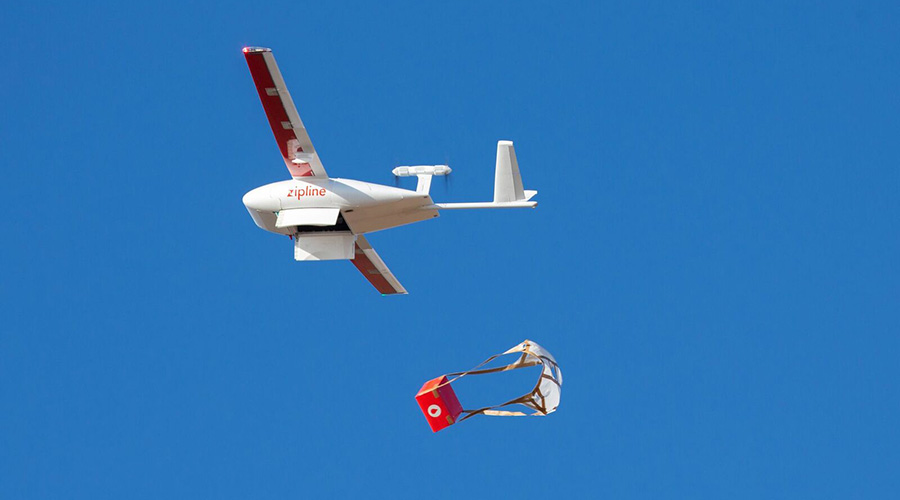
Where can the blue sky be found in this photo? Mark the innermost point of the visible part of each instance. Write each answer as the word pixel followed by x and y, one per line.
pixel 713 261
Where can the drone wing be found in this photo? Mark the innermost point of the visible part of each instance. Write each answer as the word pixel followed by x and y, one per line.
pixel 293 141
pixel 373 268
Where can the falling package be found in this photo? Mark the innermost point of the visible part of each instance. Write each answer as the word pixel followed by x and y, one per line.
pixel 442 408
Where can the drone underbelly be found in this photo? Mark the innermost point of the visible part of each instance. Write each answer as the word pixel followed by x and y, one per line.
pixel 388 215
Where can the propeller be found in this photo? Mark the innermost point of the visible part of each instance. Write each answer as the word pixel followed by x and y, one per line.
pixel 421 171
pixel 447 177
pixel 395 176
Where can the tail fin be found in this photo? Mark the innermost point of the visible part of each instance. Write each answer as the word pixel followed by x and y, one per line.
pixel 508 192
pixel 507 180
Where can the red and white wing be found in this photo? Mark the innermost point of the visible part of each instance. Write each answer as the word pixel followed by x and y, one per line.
pixel 373 268
pixel 293 141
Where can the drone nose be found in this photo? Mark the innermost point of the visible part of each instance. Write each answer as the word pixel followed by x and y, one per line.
pixel 260 199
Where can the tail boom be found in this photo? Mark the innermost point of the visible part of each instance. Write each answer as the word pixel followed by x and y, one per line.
pixel 483 204
pixel 508 191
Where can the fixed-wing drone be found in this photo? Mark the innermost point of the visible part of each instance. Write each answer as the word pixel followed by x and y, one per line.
pixel 327 217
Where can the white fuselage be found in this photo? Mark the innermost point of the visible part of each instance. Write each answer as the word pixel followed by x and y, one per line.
pixel 365 206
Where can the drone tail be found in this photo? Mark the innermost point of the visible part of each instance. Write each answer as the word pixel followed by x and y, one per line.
pixel 508 191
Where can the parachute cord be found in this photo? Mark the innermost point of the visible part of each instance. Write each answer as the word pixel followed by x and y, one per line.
pixel 529 400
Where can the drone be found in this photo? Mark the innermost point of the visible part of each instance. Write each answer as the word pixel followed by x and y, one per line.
pixel 327 217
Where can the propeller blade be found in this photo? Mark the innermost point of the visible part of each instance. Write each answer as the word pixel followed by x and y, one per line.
pixel 447 177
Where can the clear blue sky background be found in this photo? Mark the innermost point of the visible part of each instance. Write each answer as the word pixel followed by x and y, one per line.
pixel 713 261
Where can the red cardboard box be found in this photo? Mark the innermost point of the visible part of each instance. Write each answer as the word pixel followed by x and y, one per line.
pixel 440 406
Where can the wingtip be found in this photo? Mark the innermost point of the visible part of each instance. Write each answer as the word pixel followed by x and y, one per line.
pixel 252 50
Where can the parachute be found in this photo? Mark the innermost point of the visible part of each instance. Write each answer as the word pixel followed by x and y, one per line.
pixel 442 409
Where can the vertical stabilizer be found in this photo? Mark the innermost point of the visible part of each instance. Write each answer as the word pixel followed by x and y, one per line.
pixel 507 180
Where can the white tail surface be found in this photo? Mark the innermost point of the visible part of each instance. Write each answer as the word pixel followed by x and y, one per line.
pixel 507 180
pixel 424 185
pixel 508 192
